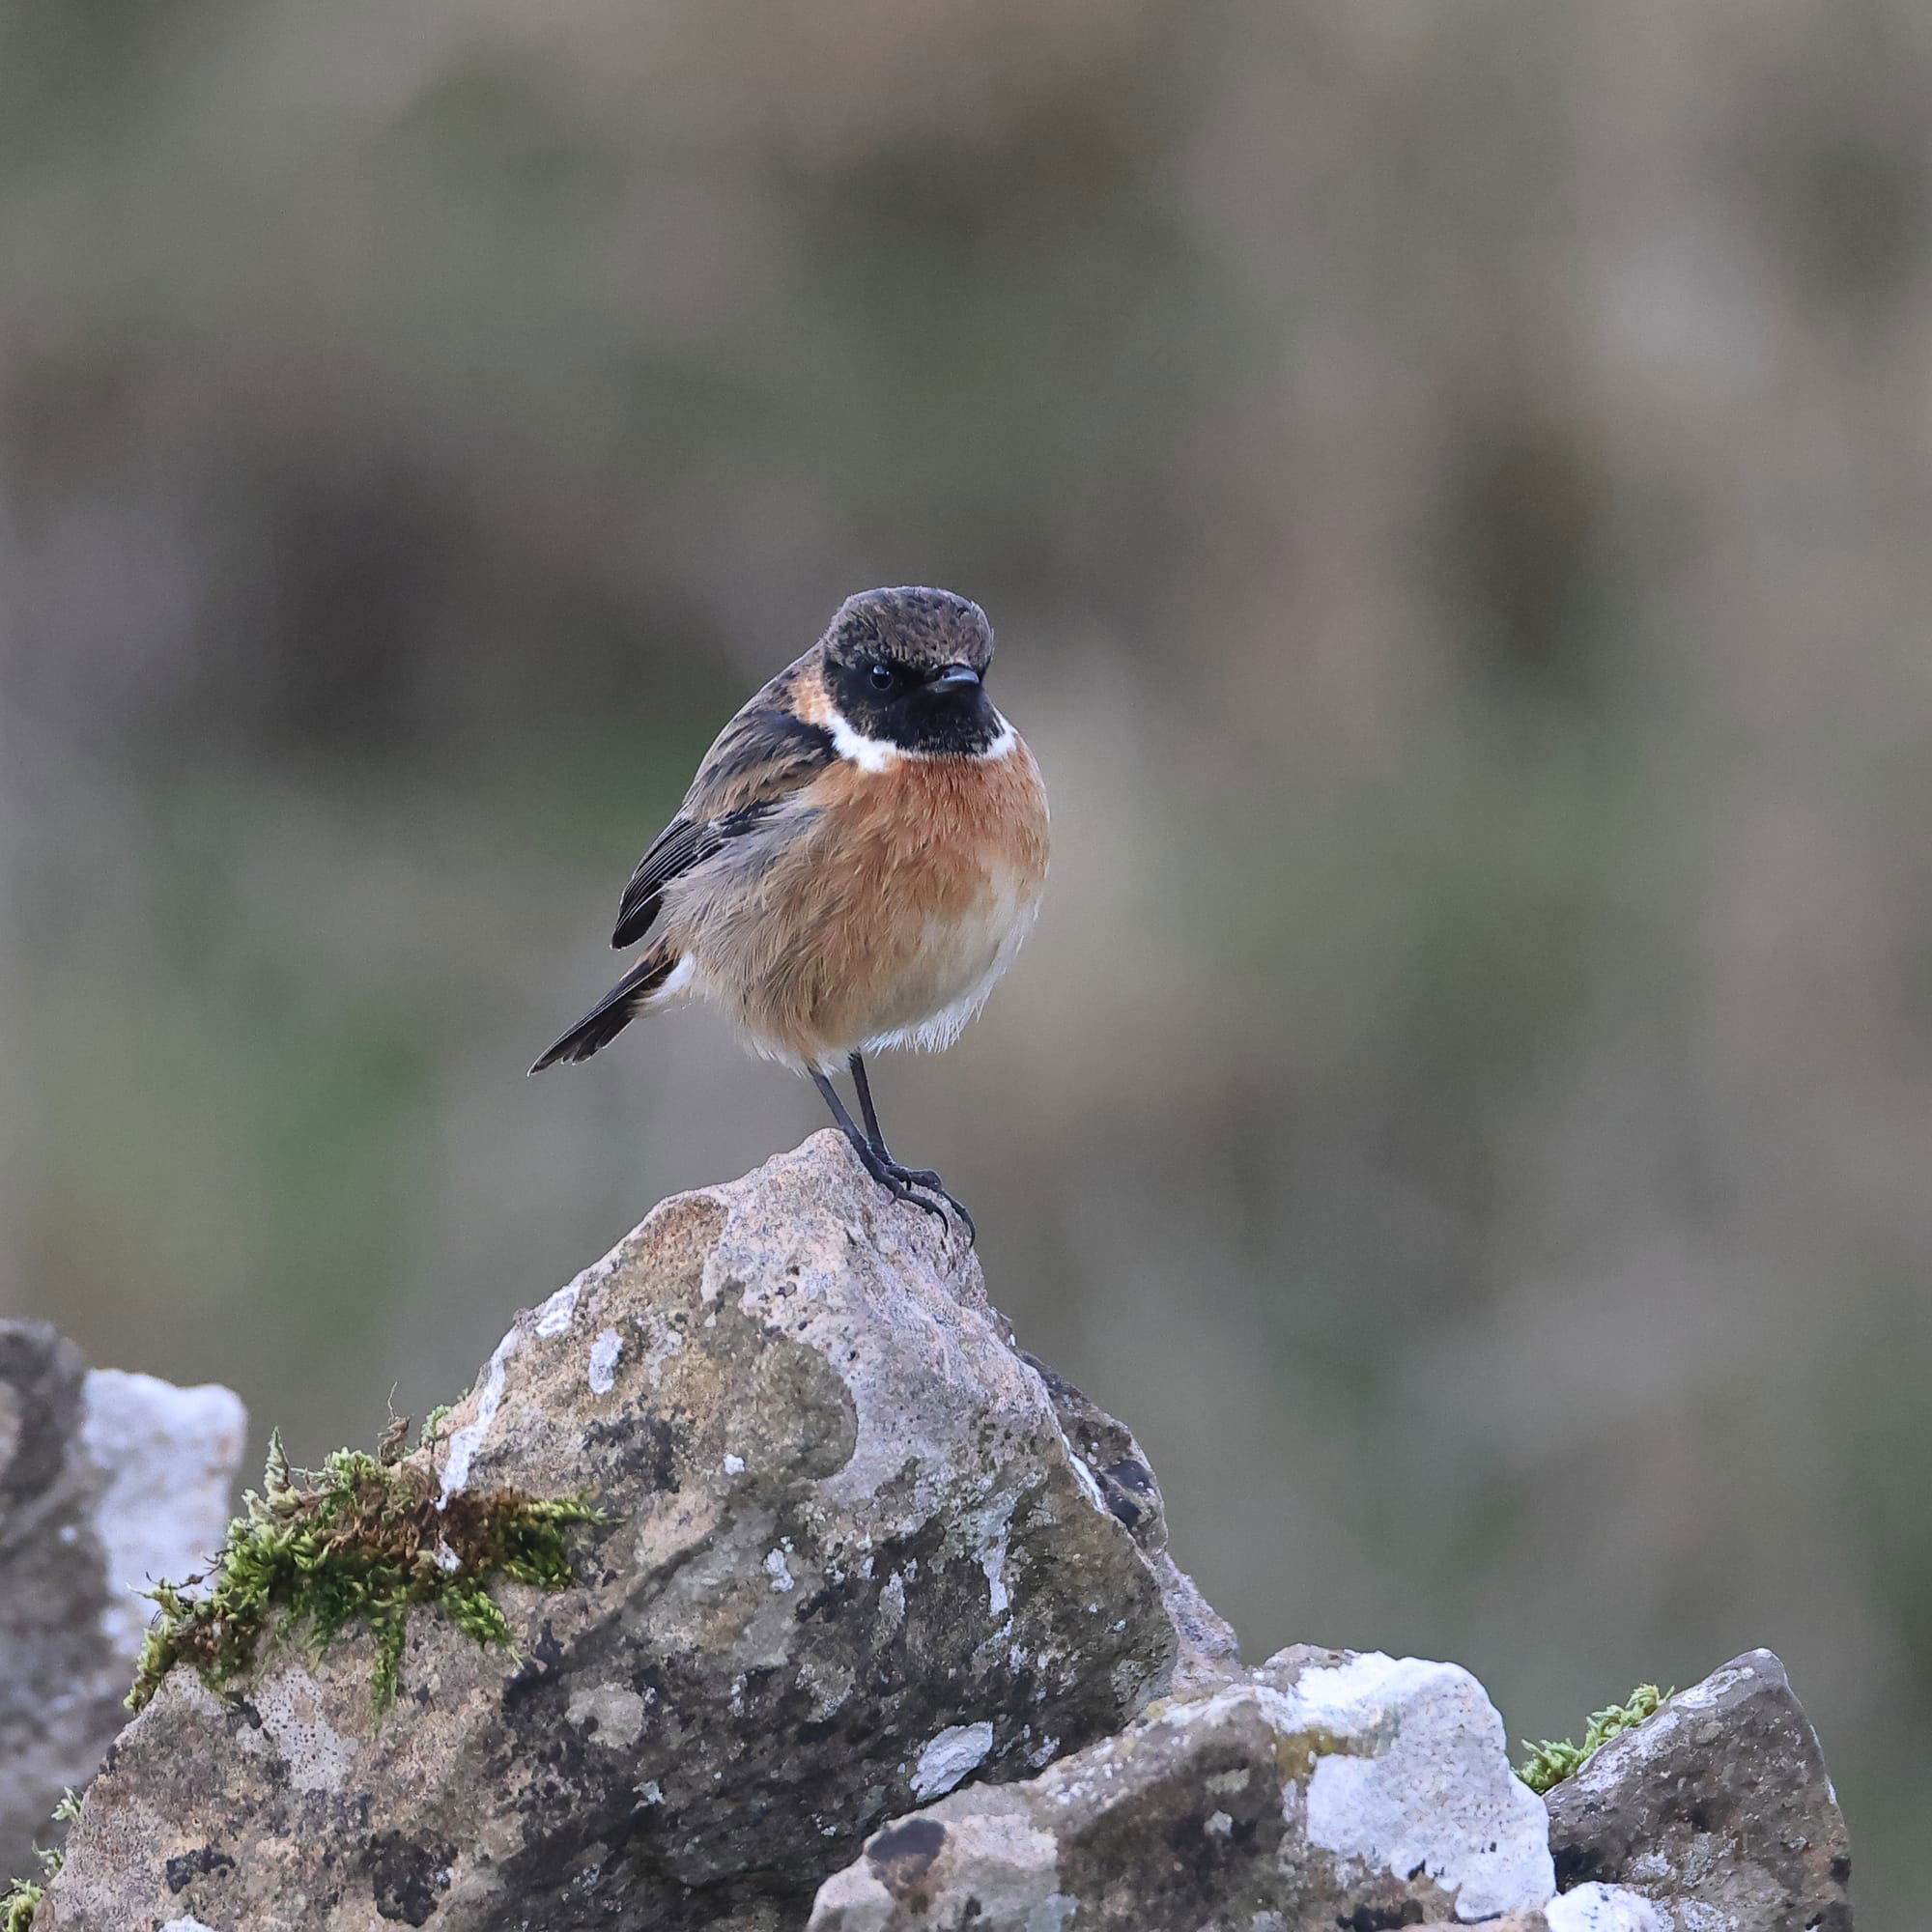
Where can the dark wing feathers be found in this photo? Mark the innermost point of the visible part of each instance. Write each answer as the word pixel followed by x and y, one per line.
pixel 613 1012
pixel 766 750
pixel 764 754
pixel 679 847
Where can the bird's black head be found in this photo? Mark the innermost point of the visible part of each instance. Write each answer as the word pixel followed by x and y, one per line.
pixel 907 668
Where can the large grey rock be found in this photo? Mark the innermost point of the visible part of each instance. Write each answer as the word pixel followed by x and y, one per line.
pixel 1325 1790
pixel 107 1482
pixel 1717 1808
pixel 852 1558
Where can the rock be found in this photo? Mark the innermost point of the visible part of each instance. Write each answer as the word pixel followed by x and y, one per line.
pixel 107 1482
pixel 1326 1789
pixel 1602 1908
pixel 850 1559
pixel 1590 1908
pixel 1210 1650
pixel 1717 1808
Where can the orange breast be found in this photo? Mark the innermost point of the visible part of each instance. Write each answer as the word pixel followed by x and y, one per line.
pixel 887 914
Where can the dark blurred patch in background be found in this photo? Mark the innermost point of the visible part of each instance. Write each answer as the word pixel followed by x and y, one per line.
pixel 1454 485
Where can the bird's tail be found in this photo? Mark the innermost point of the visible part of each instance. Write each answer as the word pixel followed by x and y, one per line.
pixel 614 1011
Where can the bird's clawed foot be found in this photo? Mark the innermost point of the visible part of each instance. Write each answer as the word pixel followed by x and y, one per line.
pixel 913 1183
pixel 902 1183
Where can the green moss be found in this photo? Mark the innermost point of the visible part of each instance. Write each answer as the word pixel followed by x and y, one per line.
pixel 22 1898
pixel 358 1541
pixel 1550 1763
pixel 19 1905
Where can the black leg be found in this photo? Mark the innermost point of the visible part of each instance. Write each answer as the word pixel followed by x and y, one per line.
pixel 858 1065
pixel 870 1159
pixel 902 1183
pixel 919 1177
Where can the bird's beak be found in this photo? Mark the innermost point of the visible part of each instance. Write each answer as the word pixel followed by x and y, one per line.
pixel 955 676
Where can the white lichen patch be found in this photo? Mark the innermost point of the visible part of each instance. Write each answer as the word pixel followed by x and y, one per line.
pixel 1053 1914
pixel 828 1684
pixel 1603 1908
pixel 715 1273
pixel 662 1340
pixel 1655 1734
pixel 780 1571
pixel 615 1710
pixel 1089 1484
pixel 956 1752
pixel 1011 1868
pixel 1432 1790
pixel 606 1352
pixel 470 1437
pixel 994 1562
pixel 555 1316
pixel 318 1757
pixel 1714 1690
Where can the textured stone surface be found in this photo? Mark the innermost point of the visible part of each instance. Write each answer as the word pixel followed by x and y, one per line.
pixel 1717 1808
pixel 107 1481
pixel 1324 1790
pixel 1209 1651
pixel 1602 1908
pixel 1590 1908
pixel 852 1558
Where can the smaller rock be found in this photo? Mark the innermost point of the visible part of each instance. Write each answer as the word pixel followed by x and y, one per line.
pixel 168 1457
pixel 1327 1788
pixel 1590 1908
pixel 1718 1810
pixel 108 1482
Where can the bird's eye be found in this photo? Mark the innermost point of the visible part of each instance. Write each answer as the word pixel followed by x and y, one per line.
pixel 883 676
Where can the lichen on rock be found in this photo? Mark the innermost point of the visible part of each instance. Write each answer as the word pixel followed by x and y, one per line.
pixel 1323 1788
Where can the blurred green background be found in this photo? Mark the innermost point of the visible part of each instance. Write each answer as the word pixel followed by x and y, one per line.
pixel 1454 485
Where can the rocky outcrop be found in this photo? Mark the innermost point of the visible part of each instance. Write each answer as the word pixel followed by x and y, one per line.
pixel 850 1558
pixel 107 1482
pixel 1325 1789
pixel 1718 1810
pixel 874 1625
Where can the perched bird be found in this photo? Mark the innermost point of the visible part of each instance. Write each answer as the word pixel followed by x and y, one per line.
pixel 855 865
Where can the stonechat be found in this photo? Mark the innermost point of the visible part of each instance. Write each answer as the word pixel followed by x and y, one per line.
pixel 854 867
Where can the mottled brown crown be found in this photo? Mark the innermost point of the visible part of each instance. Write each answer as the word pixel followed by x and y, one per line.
pixel 922 628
